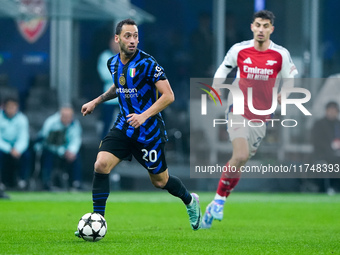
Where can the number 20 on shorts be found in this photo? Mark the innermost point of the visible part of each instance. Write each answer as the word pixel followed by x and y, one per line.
pixel 149 155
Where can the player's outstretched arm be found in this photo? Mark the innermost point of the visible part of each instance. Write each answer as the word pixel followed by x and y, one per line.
pixel 166 99
pixel 220 75
pixel 106 96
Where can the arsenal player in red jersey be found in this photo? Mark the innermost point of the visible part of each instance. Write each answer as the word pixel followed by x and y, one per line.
pixel 261 65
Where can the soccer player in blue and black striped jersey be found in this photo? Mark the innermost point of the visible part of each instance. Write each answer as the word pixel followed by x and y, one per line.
pixel 139 129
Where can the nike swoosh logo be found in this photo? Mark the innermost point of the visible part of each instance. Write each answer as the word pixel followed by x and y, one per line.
pixel 151 168
pixel 114 72
pixel 195 227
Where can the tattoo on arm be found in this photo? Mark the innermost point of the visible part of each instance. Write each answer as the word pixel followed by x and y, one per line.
pixel 108 95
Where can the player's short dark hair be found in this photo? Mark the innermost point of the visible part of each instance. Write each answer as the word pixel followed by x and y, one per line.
pixel 122 23
pixel 332 104
pixel 264 14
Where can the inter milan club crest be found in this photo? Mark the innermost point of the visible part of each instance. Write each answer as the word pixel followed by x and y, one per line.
pixel 122 80
pixel 33 23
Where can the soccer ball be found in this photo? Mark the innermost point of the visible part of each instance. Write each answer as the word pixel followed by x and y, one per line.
pixel 92 227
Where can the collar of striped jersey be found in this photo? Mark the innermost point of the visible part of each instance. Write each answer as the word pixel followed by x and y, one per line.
pixel 133 56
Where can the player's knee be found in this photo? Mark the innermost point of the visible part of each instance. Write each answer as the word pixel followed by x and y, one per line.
pixel 101 167
pixel 241 158
pixel 159 184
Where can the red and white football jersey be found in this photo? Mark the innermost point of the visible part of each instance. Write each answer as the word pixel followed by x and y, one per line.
pixel 260 70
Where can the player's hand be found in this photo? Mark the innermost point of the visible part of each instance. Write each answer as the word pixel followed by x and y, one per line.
pixel 136 120
pixel 214 95
pixel 88 108
pixel 279 98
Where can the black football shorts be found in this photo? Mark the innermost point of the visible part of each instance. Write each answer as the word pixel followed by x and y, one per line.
pixel 150 156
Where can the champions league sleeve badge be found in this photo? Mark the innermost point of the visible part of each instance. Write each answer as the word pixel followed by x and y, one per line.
pixel 32 23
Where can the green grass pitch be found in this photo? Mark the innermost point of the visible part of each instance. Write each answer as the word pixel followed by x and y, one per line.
pixel 157 223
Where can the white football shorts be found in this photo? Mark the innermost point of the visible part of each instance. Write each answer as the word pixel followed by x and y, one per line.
pixel 253 132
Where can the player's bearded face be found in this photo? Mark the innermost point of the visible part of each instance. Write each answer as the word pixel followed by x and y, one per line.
pixel 128 39
pixel 262 29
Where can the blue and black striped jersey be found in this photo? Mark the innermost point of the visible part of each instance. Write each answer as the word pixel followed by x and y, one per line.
pixel 135 85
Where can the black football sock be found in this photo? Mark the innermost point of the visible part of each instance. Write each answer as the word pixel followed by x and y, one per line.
pixel 176 188
pixel 100 192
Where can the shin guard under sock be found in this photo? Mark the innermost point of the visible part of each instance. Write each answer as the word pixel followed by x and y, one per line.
pixel 100 192
pixel 176 188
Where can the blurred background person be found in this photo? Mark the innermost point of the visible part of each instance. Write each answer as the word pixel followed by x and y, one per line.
pixel 109 107
pixel 60 141
pixel 326 141
pixel 14 141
